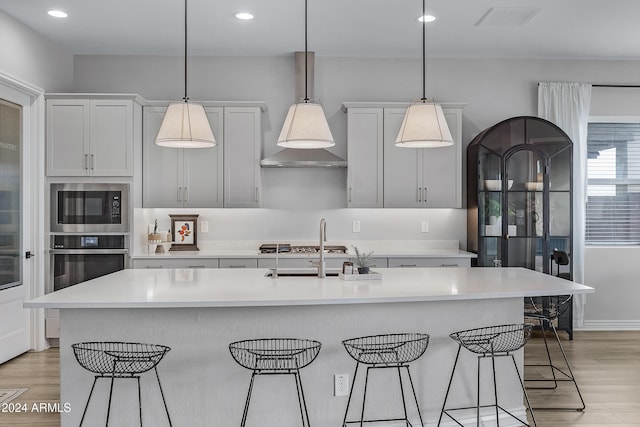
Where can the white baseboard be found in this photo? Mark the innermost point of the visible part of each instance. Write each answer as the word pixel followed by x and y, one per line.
pixel 610 325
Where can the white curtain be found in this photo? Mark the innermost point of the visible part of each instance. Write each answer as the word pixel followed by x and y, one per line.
pixel 567 105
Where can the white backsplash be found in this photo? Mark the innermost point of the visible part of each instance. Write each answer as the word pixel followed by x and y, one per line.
pixel 275 225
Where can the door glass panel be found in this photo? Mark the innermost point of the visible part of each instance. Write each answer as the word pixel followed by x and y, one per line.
pixel 560 213
pixel 526 169
pixel 504 136
pixel 490 251
pixel 526 252
pixel 490 173
pixel 490 213
pixel 525 213
pixel 549 138
pixel 10 200
pixel 560 171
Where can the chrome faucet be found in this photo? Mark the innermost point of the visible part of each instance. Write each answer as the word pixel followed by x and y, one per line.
pixel 323 238
pixel 274 271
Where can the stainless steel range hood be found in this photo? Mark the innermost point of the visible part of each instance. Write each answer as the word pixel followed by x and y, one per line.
pixel 294 158
pixel 303 158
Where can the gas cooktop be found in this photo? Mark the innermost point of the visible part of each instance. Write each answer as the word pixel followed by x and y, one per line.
pixel 270 248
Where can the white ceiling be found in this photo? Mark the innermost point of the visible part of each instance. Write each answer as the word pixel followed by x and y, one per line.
pixel 605 29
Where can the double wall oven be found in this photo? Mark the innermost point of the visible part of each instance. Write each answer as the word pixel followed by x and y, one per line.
pixel 89 235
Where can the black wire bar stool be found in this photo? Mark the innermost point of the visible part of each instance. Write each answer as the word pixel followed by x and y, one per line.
pixel 546 311
pixel 490 342
pixel 276 356
pixel 120 360
pixel 394 351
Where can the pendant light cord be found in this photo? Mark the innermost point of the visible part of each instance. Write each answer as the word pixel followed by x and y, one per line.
pixel 306 54
pixel 186 98
pixel 424 52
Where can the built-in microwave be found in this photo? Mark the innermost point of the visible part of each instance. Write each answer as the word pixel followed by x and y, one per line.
pixel 94 208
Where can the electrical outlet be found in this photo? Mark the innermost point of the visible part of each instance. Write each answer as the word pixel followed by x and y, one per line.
pixel 425 226
pixel 356 226
pixel 341 385
pixel 204 227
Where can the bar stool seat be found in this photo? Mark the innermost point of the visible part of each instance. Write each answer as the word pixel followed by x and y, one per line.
pixel 276 356
pixel 492 342
pixel 120 360
pixel 385 351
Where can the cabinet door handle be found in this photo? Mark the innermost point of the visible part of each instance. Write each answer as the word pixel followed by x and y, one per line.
pixel 93 161
pixel 408 265
pixel 152 266
pixel 186 194
pixel 237 266
pixel 349 194
pixel 419 194
pixel 424 195
pixel 86 161
pixel 256 199
pixel 179 194
pixel 448 265
pixel 196 266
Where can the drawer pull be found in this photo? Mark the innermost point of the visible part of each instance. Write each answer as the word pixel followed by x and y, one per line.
pixel 196 266
pixel 237 266
pixel 449 265
pixel 408 265
pixel 152 266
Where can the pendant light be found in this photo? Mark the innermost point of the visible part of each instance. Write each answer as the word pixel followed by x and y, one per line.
pixel 305 125
pixel 424 124
pixel 185 124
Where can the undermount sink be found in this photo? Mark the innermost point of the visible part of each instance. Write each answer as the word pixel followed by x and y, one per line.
pixel 301 272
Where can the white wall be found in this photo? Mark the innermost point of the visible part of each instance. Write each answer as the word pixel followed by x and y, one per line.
pixel 31 58
pixel 494 89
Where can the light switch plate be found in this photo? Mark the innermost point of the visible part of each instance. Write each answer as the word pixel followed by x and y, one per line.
pixel 356 226
pixel 425 226
pixel 204 227
pixel 340 384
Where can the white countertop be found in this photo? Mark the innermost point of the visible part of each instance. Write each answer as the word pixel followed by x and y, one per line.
pixel 175 288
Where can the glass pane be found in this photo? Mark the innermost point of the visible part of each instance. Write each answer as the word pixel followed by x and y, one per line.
pixel 546 136
pixel 504 136
pixel 491 213
pixel 526 213
pixel 560 171
pixel 490 172
pixel 526 169
pixel 10 201
pixel 526 252
pixel 490 250
pixel 560 212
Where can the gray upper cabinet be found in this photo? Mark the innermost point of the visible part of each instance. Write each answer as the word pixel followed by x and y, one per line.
pixel 383 175
pixel 91 136
pixel 179 177
pixel 365 157
pixel 242 153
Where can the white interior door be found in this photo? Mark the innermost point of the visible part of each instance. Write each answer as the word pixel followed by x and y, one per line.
pixel 14 319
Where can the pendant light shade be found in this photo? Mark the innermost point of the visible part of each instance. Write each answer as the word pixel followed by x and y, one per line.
pixel 424 124
pixel 185 124
pixel 306 127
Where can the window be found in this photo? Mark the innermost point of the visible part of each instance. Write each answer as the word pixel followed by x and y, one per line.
pixel 613 181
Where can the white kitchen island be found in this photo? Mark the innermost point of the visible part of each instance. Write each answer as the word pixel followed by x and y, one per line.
pixel 198 312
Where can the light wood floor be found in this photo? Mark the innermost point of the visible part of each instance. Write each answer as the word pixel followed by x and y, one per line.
pixel 606 364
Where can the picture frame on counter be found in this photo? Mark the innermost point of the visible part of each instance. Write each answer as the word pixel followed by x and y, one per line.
pixel 184 232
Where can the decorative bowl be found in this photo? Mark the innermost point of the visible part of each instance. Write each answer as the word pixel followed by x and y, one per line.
pixel 496 184
pixel 534 186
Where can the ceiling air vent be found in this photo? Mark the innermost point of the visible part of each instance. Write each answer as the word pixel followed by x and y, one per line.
pixel 508 16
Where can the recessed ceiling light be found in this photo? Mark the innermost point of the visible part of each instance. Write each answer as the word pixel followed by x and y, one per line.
pixel 427 18
pixel 245 16
pixel 57 14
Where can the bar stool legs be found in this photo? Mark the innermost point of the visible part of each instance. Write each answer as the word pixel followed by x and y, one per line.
pixel 566 376
pixel 491 342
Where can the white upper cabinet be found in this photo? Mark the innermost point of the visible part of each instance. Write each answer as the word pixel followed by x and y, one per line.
pixel 243 143
pixel 91 137
pixel 182 177
pixel 383 175
pixel 365 157
pixel 227 175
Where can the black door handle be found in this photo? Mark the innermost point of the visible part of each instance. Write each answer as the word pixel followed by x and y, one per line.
pixel 28 255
